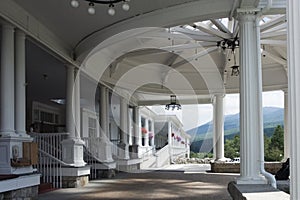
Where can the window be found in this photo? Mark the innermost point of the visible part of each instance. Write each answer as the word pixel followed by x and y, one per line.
pixel 92 127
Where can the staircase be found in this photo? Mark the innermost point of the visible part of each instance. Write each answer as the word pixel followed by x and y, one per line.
pixel 50 159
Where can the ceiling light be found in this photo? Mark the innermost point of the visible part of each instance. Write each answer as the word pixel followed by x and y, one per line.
pixel 126 6
pixel 74 3
pixel 173 103
pixel 111 11
pixel 91 9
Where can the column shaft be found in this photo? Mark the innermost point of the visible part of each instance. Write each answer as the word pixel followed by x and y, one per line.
pixel 77 104
pixel 123 121
pixel 70 103
pixel 286 127
pixel 20 84
pixel 219 126
pixel 293 10
pixel 7 101
pixel 123 146
pixel 103 111
pixel 250 97
pixel 136 125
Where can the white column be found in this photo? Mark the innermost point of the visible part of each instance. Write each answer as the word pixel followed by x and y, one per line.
pixel 9 140
pixel 219 127
pixel 286 127
pixel 73 146
pixel 146 136
pixel 293 10
pixel 153 132
pixel 7 125
pixel 70 111
pixel 136 131
pixel 103 111
pixel 77 103
pixel 20 85
pixel 105 148
pixel 136 126
pixel 123 146
pixel 250 101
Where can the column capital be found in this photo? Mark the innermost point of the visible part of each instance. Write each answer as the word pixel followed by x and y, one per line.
pixel 248 11
pixel 247 15
pixel 7 25
pixel 20 33
pixel 285 91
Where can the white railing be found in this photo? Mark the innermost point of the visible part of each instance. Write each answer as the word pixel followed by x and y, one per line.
pixel 163 156
pixel 114 148
pixel 50 157
pixel 91 152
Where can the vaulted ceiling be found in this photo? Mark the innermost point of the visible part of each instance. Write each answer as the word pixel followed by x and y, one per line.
pixel 157 47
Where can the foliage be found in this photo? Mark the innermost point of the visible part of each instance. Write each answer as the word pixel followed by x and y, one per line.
pixel 200 155
pixel 232 147
pixel 274 146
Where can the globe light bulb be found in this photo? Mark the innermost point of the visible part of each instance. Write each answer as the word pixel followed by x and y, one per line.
pixel 74 3
pixel 125 6
pixel 111 11
pixel 91 9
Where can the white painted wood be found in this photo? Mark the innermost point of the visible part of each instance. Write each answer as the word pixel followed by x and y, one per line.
pixel 70 103
pixel 272 23
pixel 287 145
pixel 16 15
pixel 207 29
pixel 220 26
pixel 77 103
pixel 293 10
pixel 275 58
pixel 7 101
pixel 123 150
pixel 20 84
pixel 219 126
pixel 250 80
pixel 20 182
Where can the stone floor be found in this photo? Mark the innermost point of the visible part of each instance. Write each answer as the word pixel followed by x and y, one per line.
pixel 174 182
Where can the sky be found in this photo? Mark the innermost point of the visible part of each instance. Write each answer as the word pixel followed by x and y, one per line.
pixel 195 115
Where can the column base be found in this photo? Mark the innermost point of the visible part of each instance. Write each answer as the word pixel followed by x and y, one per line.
pixel 251 180
pixel 105 151
pixel 75 177
pixel 123 151
pixel 133 151
pixel 73 152
pixel 11 148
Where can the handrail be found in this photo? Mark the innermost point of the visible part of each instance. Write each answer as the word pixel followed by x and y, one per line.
pixel 56 159
pixel 161 150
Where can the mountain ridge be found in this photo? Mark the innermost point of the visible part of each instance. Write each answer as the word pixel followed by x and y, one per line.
pixel 202 134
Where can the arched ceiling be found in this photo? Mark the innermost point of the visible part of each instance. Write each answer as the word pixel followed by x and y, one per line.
pixel 185 46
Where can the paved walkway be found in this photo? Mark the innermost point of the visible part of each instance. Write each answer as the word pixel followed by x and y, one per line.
pixel 174 182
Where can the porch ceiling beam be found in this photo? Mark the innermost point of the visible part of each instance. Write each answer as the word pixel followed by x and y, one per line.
pixel 220 25
pixel 272 23
pixel 188 46
pixel 196 56
pixel 196 35
pixel 273 34
pixel 207 29
pixel 275 58
pixel 274 42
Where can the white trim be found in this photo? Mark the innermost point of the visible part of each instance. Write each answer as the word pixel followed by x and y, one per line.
pixel 19 182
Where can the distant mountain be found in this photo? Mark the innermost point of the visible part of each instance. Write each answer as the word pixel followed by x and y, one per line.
pixel 202 135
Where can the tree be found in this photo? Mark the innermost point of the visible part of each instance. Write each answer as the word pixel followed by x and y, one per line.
pixel 232 147
pixel 274 146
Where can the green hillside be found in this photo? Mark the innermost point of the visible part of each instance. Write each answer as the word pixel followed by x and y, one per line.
pixel 202 135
